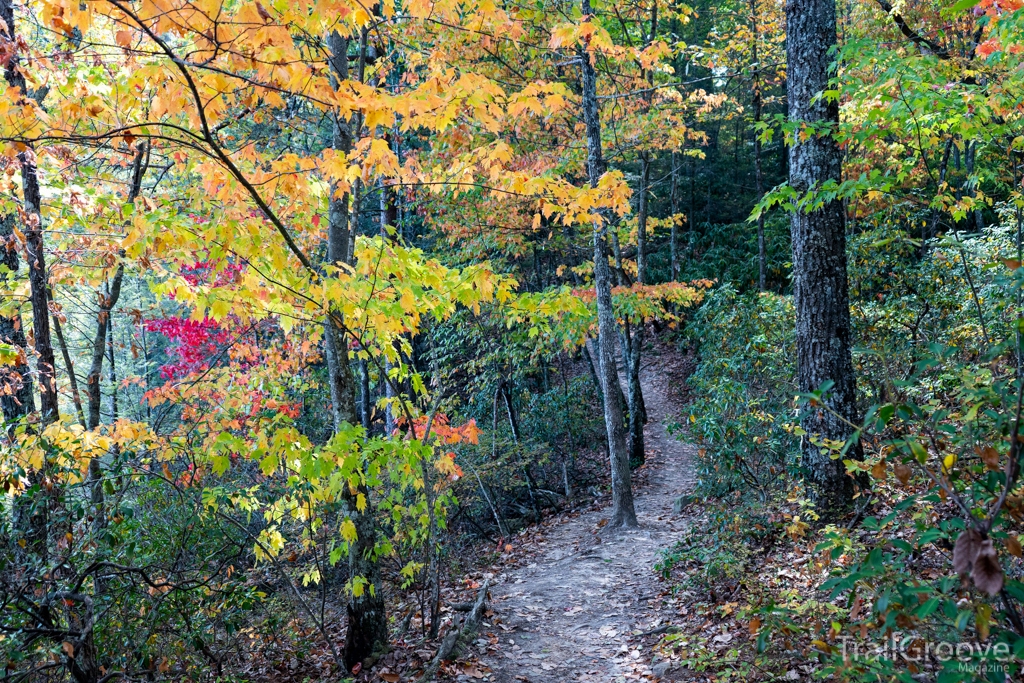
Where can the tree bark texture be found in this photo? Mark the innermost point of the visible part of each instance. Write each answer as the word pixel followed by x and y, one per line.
pixel 623 512
pixel 820 287
pixel 20 402
pixel 762 257
pixel 33 224
pixel 367 635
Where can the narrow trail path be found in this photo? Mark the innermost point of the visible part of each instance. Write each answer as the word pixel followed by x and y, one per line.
pixel 576 611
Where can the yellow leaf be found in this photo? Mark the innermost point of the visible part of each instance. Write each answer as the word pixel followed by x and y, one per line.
pixel 348 529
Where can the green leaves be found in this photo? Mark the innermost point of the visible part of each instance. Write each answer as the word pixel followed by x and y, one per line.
pixel 963 5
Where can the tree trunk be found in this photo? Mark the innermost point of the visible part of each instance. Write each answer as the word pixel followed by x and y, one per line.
pixel 367 636
pixel 364 391
pixel 38 280
pixel 641 217
pixel 102 340
pixel 69 366
pixel 39 285
pixel 20 402
pixel 970 152
pixel 674 235
pixel 31 510
pixel 762 258
pixel 513 422
pixel 593 371
pixel 108 300
pixel 623 513
pixel 637 411
pixel 112 372
pixel 387 219
pixel 820 287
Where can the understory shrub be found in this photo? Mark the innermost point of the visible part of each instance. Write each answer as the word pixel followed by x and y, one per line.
pixel 922 579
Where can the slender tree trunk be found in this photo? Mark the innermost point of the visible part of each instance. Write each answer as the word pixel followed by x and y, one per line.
pixel 31 511
pixel 513 423
pixel 102 339
pixel 674 235
pixel 33 230
pixel 39 285
pixel 367 636
pixel 637 411
pixel 364 390
pixel 108 300
pixel 19 402
pixel 820 286
pixel 103 344
pixel 338 238
pixel 593 371
pixel 762 258
pixel 112 372
pixel 387 219
pixel 623 513
pixel 68 365
pixel 641 217
pixel 970 152
pixel 933 225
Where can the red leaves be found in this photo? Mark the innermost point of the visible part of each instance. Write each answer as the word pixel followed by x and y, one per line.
pixel 197 343
pixel 201 272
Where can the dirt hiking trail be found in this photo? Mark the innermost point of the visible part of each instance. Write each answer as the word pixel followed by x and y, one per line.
pixel 578 610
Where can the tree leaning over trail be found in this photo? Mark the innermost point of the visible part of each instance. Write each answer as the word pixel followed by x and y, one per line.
pixel 820 284
pixel 623 513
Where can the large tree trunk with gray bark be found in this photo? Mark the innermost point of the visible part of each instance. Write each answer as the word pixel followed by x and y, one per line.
pixel 623 513
pixel 819 256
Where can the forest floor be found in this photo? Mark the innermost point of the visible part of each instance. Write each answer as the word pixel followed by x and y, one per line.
pixel 582 603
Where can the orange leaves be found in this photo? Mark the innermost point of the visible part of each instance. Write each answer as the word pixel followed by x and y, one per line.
pixel 66 15
pixel 378 159
pixel 586 32
pixel 441 431
pixel 540 98
pixel 445 433
pixel 653 54
pixel 446 465
pixel 988 47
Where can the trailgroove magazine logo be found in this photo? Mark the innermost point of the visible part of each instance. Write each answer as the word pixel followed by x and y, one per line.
pixel 968 656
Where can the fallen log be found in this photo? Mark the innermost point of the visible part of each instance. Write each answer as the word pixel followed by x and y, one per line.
pixel 457 634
